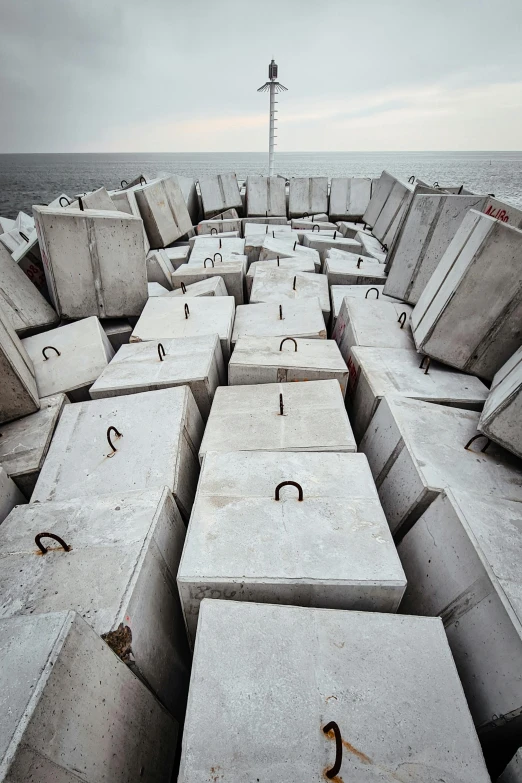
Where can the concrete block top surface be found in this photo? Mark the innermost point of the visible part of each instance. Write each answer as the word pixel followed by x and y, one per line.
pixel 297 318
pixel 434 438
pixel 212 286
pixel 166 316
pixel 107 537
pixel 387 681
pixel 71 705
pixel 397 371
pixel 288 352
pixel 147 454
pixel 340 261
pixel 25 442
pixel 24 305
pixel 249 418
pixel 337 532
pixel 297 263
pixel 69 357
pixel 274 284
pixel 207 246
pixel 267 229
pixel 159 363
pixel 373 323
pixel 283 246
pixel 338 292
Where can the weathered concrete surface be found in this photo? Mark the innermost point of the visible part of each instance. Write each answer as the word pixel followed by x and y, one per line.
pixel 160 269
pixel 294 264
pixel 501 419
pixel 387 224
pixel 332 549
pixel 350 230
pixel 73 711
pixel 283 248
pixel 10 495
pixel 160 435
pixel 308 195
pixel 18 392
pixel 163 210
pixel 265 196
pixel 422 241
pixel 177 255
pixel 313 226
pixel 276 360
pixel 304 667
pixel 349 197
pixel 298 318
pixel 156 289
pixel 462 561
pixel 213 286
pixel 274 284
pixel 222 226
pixel 98 199
pixel 232 273
pixel 248 418
pixel 24 443
pixel 74 356
pixel 380 192
pixel 24 305
pixel 372 323
pixel 417 449
pixel 274 222
pixel 139 367
pixel 120 573
pixel 323 243
pixel 219 193
pixel 344 268
pixel 371 247
pixel 259 228
pixel 376 372
pixel 207 247
pixel 470 313
pixel 125 201
pixel 165 316
pixel 94 262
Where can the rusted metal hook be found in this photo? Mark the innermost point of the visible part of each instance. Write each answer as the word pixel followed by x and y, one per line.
pixel 402 319
pixel 359 262
pixel 205 262
pixel 372 289
pixel 118 434
pixel 161 350
pixel 288 484
pixel 220 257
pixel 67 200
pixel 474 438
pixel 183 287
pixel 428 362
pixel 44 549
pixel 284 341
pixel 50 348
pixel 281 406
pixel 332 726
pixel 213 230
pixel 187 311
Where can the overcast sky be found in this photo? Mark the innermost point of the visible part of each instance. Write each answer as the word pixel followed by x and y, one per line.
pixel 171 76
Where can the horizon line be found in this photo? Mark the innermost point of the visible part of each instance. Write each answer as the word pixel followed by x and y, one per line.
pixel 263 152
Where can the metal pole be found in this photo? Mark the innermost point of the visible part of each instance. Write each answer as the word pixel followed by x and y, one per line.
pixel 271 136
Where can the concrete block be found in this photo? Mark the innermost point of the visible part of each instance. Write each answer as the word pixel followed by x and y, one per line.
pixel 10 495
pixel 255 242
pixel 190 194
pixel 160 434
pixel 312 226
pixel 350 230
pixel 207 247
pixel 118 330
pixel 345 559
pixel 268 229
pixel 73 711
pixel 298 318
pixel 470 312
pixel 24 443
pixel 219 193
pixel 160 269
pixel 349 197
pixel 140 367
pixel 18 392
pixel 501 418
pixel 387 224
pixel 338 292
pixel 343 268
pixel 232 274
pixel 119 574
pixel 163 210
pixel 380 191
pixel 506 213
pixel 164 317
pixel 307 196
pixel 70 358
pixel 156 289
pixel 377 372
pixel 513 771
pixel 370 247
pixel 308 417
pixel 125 201
pixel 417 449
pixel 323 243
pixel 276 360
pixel 6 224
pixel 274 284
pixel 29 259
pixel 212 286
pixel 177 255
pixel 423 239
pixel 222 226
pixel 293 264
pixel 268 680
pixel 24 305
pixel 227 214
pixel 372 323
pixel 273 222
pixel 98 199
pixel 94 262
pixel 462 563
pixel 265 196
pixel 284 248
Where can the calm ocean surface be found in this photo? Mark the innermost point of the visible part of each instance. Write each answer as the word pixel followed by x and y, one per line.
pixel 37 179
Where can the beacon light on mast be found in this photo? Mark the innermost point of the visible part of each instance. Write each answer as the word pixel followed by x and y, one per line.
pixel 274 87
